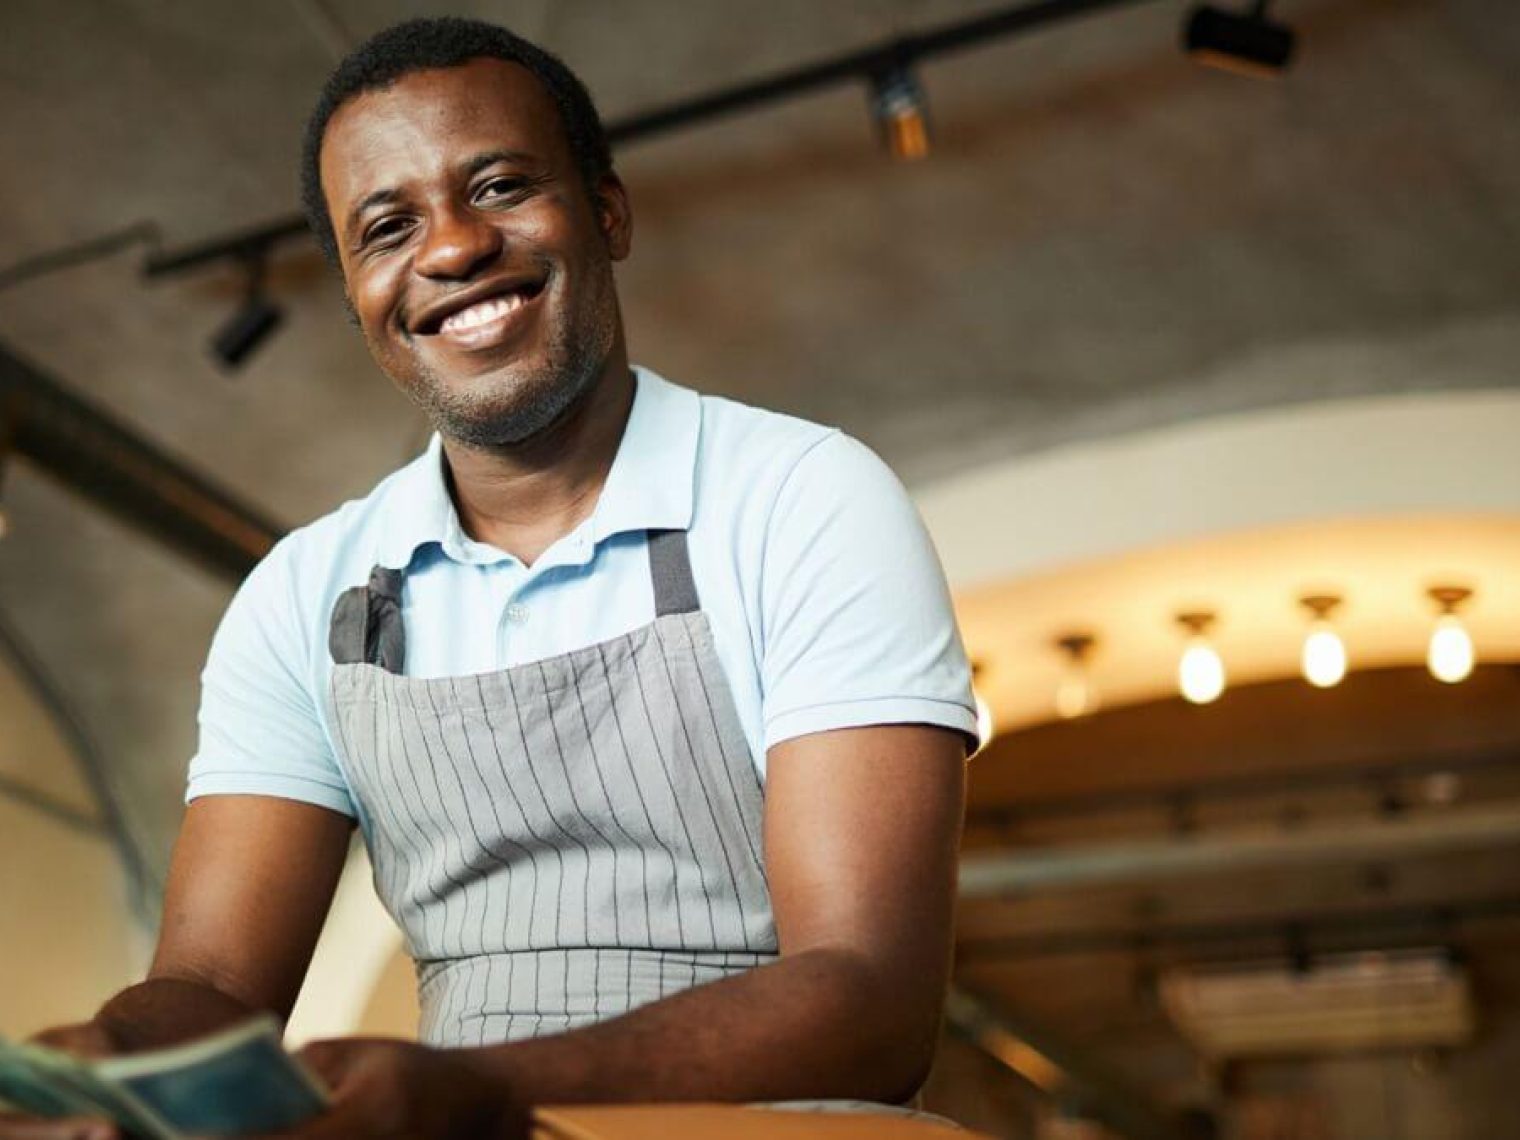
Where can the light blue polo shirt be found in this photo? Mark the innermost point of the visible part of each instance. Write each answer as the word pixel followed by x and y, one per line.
pixel 827 603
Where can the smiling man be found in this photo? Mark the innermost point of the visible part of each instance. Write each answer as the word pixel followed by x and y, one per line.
pixel 650 706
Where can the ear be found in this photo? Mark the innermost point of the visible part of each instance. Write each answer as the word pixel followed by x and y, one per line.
pixel 614 216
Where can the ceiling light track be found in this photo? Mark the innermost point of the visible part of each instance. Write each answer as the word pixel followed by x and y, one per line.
pixel 1245 42
pixel 869 66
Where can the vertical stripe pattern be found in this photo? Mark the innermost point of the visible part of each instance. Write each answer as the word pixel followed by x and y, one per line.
pixel 564 840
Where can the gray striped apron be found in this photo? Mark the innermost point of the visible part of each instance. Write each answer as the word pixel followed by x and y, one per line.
pixel 560 841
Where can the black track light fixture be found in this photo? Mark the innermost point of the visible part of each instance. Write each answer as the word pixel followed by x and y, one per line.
pixel 1243 42
pixel 251 325
pixel 901 112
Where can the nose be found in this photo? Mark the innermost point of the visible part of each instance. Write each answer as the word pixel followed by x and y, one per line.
pixel 457 243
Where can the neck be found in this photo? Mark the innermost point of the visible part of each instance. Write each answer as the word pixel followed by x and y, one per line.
pixel 522 498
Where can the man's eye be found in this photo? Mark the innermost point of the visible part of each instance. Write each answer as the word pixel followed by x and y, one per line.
pixel 386 229
pixel 497 188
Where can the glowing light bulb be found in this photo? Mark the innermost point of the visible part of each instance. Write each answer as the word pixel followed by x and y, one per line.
pixel 1324 657
pixel 1200 673
pixel 985 728
pixel 1451 656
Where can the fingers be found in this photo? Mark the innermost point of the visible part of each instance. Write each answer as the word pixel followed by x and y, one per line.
pixel 339 1060
pixel 330 1061
pixel 66 1128
pixel 87 1039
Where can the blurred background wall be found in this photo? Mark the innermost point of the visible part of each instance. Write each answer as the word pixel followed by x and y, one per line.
pixel 1146 339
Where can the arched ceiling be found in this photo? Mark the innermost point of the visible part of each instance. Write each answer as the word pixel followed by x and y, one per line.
pixel 1374 501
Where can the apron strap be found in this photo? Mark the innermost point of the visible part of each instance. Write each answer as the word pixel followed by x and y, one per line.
pixel 675 590
pixel 367 629
pixel 366 624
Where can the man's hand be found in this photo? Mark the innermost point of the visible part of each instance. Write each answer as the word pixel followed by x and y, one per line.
pixel 385 1088
pixel 248 891
pixel 87 1039
pixel 381 1089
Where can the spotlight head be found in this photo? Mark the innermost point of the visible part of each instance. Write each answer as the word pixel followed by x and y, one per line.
pixel 245 331
pixel 901 113
pixel 1248 44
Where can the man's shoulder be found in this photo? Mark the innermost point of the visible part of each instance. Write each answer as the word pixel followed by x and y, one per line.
pixel 758 455
pixel 751 451
pixel 734 422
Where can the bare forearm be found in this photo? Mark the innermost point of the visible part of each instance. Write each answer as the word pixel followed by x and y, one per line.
pixel 814 1025
pixel 165 1011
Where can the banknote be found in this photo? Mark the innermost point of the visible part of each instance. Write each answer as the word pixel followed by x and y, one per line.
pixel 235 1082
pixel 22 1089
pixel 91 1095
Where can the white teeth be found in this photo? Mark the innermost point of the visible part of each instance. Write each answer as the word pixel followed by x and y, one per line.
pixel 482 312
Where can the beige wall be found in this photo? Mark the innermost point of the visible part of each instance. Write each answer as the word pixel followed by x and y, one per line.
pixel 66 938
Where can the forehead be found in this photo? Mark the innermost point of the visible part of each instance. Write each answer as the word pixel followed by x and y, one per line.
pixel 428 120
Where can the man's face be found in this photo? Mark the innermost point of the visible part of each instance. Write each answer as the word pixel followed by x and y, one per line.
pixel 478 266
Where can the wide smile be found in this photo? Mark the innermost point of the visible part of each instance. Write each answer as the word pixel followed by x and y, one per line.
pixel 484 323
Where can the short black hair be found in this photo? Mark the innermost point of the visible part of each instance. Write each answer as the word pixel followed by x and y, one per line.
pixel 448 41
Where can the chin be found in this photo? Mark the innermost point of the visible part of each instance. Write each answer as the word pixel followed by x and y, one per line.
pixel 510 410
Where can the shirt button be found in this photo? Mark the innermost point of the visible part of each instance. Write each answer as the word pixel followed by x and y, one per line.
pixel 517 613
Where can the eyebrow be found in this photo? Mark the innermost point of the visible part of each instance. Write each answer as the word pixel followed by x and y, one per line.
pixel 474 166
pixel 492 157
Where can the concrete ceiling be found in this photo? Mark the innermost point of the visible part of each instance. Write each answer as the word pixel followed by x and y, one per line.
pixel 1106 238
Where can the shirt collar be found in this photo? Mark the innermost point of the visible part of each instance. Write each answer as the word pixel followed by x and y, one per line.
pixel 650 487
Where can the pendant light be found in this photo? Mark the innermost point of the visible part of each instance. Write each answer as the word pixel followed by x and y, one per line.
pixel 1200 672
pixel 1323 659
pixel 1075 693
pixel 1450 656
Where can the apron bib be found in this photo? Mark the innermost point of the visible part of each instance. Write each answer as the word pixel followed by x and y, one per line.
pixel 564 840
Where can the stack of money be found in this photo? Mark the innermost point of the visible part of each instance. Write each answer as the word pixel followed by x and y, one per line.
pixel 236 1082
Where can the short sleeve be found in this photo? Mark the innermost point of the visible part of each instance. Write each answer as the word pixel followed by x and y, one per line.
pixel 858 627
pixel 261 731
